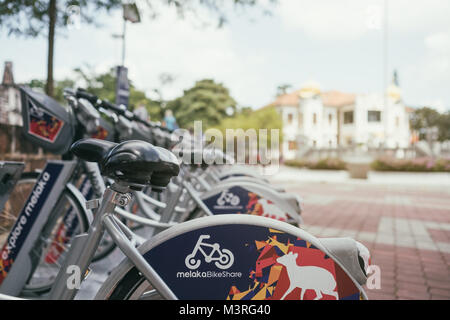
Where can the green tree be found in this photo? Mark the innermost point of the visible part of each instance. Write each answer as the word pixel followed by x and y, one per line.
pixel 424 118
pixel 265 118
pixel 104 86
pixel 32 18
pixel 207 101
pixel 444 127
pixel 431 125
pixel 283 88
pixel 58 87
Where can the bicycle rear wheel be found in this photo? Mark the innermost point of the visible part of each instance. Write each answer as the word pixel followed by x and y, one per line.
pixel 127 283
pixel 66 220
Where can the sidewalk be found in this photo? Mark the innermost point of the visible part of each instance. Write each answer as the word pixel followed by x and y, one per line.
pixel 406 228
pixel 287 175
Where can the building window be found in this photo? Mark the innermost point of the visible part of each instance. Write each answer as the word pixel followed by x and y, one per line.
pixel 348 117
pixel 300 119
pixel 292 145
pixel 290 118
pixel 374 116
pixel 330 118
pixel 314 118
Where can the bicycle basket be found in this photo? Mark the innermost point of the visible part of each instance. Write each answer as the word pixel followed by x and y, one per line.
pixel 45 122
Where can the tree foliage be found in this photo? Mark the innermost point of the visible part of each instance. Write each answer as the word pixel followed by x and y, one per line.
pixel 103 86
pixel 59 87
pixel 425 118
pixel 265 118
pixel 33 18
pixel 207 101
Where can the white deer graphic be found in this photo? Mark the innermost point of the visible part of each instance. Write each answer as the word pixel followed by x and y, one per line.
pixel 308 277
pixel 271 210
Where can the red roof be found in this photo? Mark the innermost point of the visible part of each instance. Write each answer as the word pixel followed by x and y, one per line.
pixel 329 98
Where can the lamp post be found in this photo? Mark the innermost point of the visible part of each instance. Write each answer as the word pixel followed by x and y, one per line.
pixel 385 71
pixel 121 36
pixel 130 13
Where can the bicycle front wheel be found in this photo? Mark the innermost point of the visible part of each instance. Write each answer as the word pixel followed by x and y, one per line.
pixel 66 220
pixel 127 283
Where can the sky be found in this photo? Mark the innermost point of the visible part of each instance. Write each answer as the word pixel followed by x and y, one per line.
pixel 336 43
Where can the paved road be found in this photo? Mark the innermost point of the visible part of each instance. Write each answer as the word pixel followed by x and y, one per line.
pixel 406 228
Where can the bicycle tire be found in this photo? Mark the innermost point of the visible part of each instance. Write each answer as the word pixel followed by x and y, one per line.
pixel 125 283
pixel 66 196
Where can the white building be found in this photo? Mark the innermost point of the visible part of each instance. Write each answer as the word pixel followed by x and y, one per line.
pixel 331 119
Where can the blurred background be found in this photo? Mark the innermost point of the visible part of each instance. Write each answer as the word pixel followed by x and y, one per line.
pixel 358 81
pixel 359 90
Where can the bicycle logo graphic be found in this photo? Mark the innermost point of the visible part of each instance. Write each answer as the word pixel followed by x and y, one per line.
pixel 223 258
pixel 228 198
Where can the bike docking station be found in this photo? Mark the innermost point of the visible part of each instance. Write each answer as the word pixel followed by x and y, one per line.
pixel 244 257
pixel 249 246
pixel 16 261
pixel 254 199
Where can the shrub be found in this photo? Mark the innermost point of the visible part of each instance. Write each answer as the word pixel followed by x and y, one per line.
pixel 414 165
pixel 323 164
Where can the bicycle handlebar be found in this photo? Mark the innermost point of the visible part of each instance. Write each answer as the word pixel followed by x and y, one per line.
pixel 97 102
pixel 80 93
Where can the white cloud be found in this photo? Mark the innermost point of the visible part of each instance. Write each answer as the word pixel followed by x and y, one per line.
pixel 351 19
pixel 324 19
pixel 190 53
pixel 438 43
pixel 436 64
pixel 178 47
pixel 429 77
pixel 411 16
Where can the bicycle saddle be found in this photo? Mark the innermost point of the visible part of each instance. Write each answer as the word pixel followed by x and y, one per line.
pixel 134 161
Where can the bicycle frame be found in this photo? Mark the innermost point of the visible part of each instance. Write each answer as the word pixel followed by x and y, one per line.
pixel 134 248
pixel 16 261
pixel 84 246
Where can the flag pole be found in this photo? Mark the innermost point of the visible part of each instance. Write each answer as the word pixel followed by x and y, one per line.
pixel 385 69
pixel 123 41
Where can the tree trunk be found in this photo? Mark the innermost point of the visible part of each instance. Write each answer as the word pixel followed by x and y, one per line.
pixel 51 45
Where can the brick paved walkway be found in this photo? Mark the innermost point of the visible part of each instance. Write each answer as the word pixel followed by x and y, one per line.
pixel 406 228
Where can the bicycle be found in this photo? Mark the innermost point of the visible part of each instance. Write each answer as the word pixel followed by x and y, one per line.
pixel 156 268
pixel 54 128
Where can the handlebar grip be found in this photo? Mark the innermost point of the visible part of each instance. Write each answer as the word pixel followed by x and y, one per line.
pixel 108 105
pixel 86 95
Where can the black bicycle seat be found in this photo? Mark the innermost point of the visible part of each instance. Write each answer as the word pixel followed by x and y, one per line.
pixel 92 150
pixel 134 161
